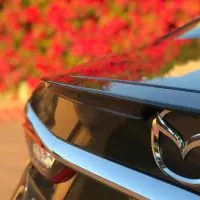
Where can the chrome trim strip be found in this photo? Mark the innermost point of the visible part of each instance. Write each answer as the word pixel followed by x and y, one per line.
pixel 126 180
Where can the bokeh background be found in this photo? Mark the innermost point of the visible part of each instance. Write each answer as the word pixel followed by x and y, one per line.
pixel 47 37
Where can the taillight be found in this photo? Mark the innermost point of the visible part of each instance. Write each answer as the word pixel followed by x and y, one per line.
pixel 43 160
pixel 43 157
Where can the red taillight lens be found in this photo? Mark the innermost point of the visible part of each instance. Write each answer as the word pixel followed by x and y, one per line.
pixel 64 175
pixel 42 156
pixel 44 161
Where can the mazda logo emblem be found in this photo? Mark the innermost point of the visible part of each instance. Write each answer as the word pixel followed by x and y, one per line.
pixel 159 126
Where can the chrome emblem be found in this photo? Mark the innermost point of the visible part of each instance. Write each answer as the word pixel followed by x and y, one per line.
pixel 160 126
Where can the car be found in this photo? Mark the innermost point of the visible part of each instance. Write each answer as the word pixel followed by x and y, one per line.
pixel 111 129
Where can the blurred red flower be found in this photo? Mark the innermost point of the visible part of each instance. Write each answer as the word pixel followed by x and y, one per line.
pixel 40 38
pixel 32 15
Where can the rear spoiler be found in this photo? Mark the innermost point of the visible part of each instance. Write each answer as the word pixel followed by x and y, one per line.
pixel 127 97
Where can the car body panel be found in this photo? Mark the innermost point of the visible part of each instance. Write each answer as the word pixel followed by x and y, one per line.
pixel 98 120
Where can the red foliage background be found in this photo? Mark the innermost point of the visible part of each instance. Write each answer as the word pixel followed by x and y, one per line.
pixel 45 37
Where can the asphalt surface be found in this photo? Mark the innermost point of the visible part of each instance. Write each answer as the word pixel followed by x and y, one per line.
pixel 13 157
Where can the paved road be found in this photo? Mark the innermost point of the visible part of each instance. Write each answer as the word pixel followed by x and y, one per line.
pixel 13 156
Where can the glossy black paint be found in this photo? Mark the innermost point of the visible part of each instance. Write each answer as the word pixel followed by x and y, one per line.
pixel 34 186
pixel 162 96
pixel 116 135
